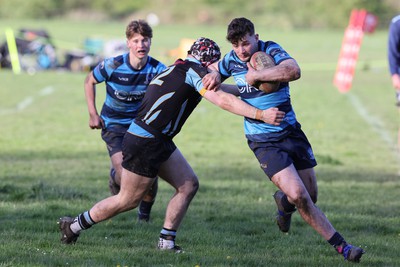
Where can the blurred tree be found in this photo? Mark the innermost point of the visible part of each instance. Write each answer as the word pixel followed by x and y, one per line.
pixel 280 14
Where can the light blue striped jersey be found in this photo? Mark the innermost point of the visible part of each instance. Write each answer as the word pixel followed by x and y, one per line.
pixel 259 131
pixel 125 88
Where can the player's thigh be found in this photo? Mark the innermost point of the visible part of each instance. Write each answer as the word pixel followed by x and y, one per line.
pixel 177 171
pixel 134 186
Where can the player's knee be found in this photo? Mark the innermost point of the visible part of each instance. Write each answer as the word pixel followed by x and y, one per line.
pixel 126 202
pixel 191 186
pixel 195 186
pixel 300 199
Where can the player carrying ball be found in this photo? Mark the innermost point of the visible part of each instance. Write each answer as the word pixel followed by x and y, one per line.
pixel 283 151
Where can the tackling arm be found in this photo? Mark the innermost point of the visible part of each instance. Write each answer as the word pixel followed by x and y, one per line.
pixel 212 80
pixel 236 106
pixel 230 88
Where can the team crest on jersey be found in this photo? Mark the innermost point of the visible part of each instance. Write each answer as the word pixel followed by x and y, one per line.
pixel 149 77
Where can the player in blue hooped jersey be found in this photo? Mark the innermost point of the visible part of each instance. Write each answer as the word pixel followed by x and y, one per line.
pixel 126 79
pixel 283 151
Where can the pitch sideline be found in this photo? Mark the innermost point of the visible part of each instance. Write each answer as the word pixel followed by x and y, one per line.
pixel 27 101
pixel 375 123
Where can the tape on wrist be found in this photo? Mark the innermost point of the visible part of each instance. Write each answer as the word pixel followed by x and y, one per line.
pixel 258 114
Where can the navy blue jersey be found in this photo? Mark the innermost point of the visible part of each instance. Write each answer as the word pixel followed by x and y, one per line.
pixel 125 88
pixel 258 131
pixel 394 46
pixel 170 99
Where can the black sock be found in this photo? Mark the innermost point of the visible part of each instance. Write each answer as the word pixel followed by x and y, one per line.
pixel 145 209
pixel 289 207
pixel 338 242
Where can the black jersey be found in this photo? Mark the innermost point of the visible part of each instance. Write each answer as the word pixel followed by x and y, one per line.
pixel 170 99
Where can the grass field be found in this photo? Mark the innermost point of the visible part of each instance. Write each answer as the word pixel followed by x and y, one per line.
pixel 52 164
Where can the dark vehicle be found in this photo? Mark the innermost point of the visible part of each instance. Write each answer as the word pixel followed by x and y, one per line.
pixel 35 51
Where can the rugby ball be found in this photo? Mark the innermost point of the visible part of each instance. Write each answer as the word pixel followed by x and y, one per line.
pixel 261 60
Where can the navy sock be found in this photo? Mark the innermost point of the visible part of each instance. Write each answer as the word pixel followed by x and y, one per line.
pixel 338 242
pixel 112 174
pixel 145 209
pixel 289 207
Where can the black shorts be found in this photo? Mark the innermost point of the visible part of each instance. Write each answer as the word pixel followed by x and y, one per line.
pixel 277 155
pixel 113 139
pixel 144 156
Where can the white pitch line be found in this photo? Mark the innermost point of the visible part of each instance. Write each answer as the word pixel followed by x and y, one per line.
pixel 375 123
pixel 27 101
pixel 24 103
pixel 46 91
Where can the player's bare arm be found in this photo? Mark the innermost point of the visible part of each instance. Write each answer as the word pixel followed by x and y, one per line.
pixel 236 106
pixel 95 122
pixel 230 88
pixel 212 80
pixel 286 71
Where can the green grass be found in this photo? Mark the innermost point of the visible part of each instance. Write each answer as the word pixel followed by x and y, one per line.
pixel 52 164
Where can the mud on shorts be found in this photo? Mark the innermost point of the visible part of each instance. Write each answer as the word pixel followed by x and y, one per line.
pixel 113 139
pixel 275 156
pixel 144 156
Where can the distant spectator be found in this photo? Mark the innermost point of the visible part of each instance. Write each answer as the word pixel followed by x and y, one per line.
pixel 394 61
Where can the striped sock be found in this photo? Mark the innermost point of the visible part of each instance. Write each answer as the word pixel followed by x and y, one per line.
pixel 82 222
pixel 168 234
pixel 167 239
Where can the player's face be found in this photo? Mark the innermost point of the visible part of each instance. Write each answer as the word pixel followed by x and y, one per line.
pixel 139 45
pixel 246 47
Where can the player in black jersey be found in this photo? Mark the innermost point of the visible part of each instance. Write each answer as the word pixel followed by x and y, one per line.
pixel 149 150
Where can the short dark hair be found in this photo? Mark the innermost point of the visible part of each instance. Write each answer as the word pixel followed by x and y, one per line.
pixel 238 28
pixel 138 26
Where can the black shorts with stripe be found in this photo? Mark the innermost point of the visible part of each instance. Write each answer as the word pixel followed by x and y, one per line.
pixel 143 155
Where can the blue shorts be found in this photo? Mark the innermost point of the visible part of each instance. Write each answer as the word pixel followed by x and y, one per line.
pixel 275 156
pixel 113 138
pixel 143 155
